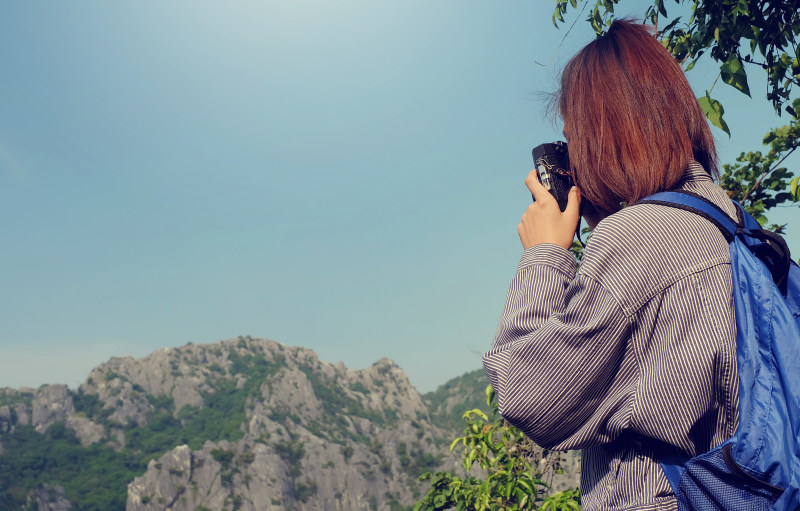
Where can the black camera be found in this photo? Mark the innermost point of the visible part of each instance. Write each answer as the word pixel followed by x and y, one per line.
pixel 552 163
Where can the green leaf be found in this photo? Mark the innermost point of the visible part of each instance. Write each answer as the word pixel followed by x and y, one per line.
pixel 650 14
pixel 714 111
pixel 574 3
pixel 732 72
pixel 455 443
pixel 489 395
pixel 670 25
pixel 477 412
pixel 596 21
pixel 743 8
pixel 794 189
pixel 470 459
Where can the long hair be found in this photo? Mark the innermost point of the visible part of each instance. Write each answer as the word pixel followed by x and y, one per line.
pixel 631 119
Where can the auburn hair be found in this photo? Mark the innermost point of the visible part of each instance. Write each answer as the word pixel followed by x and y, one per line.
pixel 631 119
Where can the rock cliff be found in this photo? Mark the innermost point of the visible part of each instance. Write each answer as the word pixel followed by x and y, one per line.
pixel 243 424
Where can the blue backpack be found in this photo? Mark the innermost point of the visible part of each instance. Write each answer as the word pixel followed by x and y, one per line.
pixel 758 468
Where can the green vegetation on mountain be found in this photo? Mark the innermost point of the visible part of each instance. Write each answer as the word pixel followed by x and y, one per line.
pixel 127 423
pixel 30 459
pixel 90 406
pixel 94 478
pixel 448 402
pixel 335 402
pixel 12 398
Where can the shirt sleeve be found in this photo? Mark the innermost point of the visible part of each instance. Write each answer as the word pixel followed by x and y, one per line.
pixel 560 364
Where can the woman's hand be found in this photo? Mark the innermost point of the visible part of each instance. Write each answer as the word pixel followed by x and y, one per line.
pixel 543 221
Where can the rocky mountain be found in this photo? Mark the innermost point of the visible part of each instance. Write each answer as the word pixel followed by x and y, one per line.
pixel 449 402
pixel 244 424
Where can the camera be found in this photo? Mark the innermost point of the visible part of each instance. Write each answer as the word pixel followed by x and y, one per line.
pixel 552 163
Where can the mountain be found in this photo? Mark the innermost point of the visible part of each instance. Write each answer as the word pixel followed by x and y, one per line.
pixel 242 424
pixel 449 402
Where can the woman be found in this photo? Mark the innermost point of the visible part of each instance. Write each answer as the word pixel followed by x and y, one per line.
pixel 634 356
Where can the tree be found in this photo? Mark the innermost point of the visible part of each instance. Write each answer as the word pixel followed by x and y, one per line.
pixel 758 181
pixel 519 474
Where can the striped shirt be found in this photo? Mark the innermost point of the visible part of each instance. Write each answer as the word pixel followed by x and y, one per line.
pixel 632 357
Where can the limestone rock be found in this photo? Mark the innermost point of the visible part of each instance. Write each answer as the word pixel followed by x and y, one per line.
pixel 48 498
pixel 15 408
pixel 52 403
pixel 6 420
pixel 87 431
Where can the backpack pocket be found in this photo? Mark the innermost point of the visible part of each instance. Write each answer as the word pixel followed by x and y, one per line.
pixel 714 481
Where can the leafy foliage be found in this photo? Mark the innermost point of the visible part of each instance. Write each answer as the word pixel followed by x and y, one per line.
pixel 519 473
pixel 758 181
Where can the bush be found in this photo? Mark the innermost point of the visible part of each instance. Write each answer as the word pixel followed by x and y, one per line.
pixel 506 454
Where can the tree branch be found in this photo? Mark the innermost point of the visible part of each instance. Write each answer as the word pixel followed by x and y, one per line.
pixel 765 174
pixel 715 82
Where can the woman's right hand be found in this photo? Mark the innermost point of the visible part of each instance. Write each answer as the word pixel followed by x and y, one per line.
pixel 543 221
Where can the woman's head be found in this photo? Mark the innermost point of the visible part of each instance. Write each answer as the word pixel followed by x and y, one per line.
pixel 630 117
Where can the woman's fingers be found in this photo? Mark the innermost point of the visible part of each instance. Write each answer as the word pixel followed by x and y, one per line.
pixel 544 222
pixel 540 193
pixel 572 213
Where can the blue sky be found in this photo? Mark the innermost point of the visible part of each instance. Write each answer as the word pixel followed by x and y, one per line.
pixel 345 176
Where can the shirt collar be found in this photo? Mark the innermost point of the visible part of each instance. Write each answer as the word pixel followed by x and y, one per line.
pixel 695 172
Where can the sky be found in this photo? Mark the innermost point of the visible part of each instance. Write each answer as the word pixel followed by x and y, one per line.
pixel 345 176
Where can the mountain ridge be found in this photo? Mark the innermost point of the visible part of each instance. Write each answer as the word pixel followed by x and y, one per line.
pixel 240 424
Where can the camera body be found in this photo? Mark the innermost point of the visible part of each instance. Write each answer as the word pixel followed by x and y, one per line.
pixel 552 164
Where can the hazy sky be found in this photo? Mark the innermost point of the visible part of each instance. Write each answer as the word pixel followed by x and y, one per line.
pixel 342 175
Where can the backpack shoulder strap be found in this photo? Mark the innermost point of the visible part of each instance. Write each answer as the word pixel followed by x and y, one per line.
pixel 767 246
pixel 699 205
